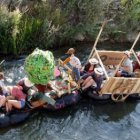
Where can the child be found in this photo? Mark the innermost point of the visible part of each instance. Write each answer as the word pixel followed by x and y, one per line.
pixel 74 62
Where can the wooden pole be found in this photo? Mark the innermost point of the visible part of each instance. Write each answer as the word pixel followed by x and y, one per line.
pixel 124 56
pixel 1 62
pixel 103 24
pixel 65 66
pixel 100 62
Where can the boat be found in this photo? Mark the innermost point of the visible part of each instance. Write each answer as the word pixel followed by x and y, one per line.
pixel 117 89
pixel 64 101
pixel 69 96
pixel 13 117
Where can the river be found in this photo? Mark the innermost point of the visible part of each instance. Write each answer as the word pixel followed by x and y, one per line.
pixel 88 120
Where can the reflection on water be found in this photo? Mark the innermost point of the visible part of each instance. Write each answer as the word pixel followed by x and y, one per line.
pixel 87 120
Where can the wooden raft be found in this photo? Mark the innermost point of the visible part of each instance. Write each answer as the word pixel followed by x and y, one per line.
pixel 121 85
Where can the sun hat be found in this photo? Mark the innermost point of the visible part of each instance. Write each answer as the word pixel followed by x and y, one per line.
pixel 93 61
pixel 28 83
pixel 70 51
pixel 127 53
pixel 99 71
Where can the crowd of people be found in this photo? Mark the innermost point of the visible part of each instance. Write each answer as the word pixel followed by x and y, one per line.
pixel 91 74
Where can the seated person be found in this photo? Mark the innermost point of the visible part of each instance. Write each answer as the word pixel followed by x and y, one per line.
pixel 38 99
pixel 93 79
pixel 2 97
pixel 136 64
pixel 26 85
pixel 89 67
pixel 126 69
pixel 74 63
pixel 14 97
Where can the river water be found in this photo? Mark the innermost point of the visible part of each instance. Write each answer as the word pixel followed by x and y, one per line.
pixel 88 120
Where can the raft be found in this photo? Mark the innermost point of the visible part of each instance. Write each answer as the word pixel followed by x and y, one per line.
pixel 64 101
pixel 107 97
pixel 12 118
pixel 95 96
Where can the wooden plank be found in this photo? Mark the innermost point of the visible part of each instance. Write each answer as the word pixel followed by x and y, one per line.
pixel 121 85
pixel 136 86
pixel 111 57
pixel 106 86
pixel 113 84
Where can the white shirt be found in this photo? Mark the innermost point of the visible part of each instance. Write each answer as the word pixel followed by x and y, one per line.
pixel 75 62
pixel 128 63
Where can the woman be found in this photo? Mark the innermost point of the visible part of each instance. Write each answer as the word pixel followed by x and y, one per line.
pixel 13 96
pixel 93 79
pixel 91 65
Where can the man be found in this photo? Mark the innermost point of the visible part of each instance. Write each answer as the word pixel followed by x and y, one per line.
pixel 126 69
pixel 74 63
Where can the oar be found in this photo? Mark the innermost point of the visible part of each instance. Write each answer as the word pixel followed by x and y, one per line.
pixel 69 76
pixel 65 66
pixel 2 62
pixel 131 50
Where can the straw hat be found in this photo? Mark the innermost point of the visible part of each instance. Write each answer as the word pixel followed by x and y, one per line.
pixel 28 83
pixel 99 71
pixel 70 51
pixel 93 61
pixel 127 53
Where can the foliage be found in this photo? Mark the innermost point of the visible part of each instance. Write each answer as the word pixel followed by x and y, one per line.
pixel 54 23
pixel 8 30
pixel 131 14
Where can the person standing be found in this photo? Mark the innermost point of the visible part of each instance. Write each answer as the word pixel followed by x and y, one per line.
pixel 74 62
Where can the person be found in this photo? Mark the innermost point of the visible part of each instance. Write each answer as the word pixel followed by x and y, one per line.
pixel 14 97
pixel 2 96
pixel 26 85
pixel 1 79
pixel 74 63
pixel 94 79
pixel 136 64
pixel 90 66
pixel 126 69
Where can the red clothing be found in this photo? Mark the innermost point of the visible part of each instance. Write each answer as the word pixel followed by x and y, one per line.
pixel 16 91
pixel 89 71
pixel 41 88
pixel 136 65
pixel 87 68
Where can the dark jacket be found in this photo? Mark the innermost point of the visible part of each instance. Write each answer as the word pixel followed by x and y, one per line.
pixel 98 80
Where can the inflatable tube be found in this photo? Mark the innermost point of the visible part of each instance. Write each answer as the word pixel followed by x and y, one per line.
pixel 90 93
pixel 12 118
pixel 64 101
pixel 135 96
